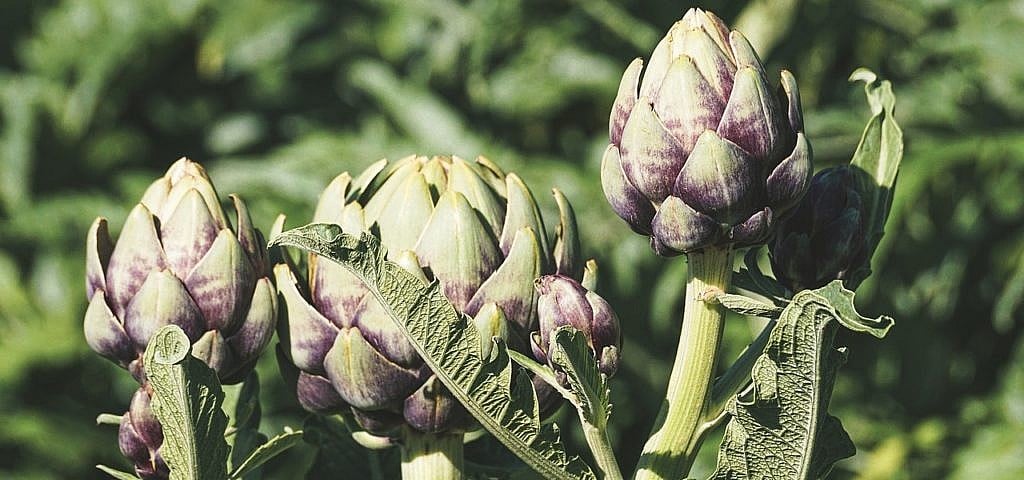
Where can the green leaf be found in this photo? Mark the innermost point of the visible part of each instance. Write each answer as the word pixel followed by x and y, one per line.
pixel 744 305
pixel 782 429
pixel 268 450
pixel 187 400
pixel 242 407
pixel 543 372
pixel 501 398
pixel 572 355
pixel 119 475
pixel 842 300
pixel 878 156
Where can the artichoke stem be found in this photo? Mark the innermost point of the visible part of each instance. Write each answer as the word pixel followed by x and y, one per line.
pixel 669 451
pixel 427 456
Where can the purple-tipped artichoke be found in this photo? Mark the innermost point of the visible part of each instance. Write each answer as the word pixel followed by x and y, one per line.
pixel 141 436
pixel 825 238
pixel 178 261
pixel 703 153
pixel 564 301
pixel 475 229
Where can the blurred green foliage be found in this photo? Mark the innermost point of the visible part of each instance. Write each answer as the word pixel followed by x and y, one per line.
pixel 98 97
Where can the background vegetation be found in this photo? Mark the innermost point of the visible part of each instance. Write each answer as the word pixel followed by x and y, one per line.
pixel 98 97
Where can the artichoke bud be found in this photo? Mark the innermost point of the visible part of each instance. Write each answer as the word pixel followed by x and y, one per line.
pixel 179 261
pixel 140 437
pixel 564 301
pixel 703 153
pixel 465 224
pixel 825 239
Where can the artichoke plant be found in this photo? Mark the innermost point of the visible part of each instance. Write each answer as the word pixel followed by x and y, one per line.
pixel 177 261
pixel 467 224
pixel 703 153
pixel 564 301
pixel 825 238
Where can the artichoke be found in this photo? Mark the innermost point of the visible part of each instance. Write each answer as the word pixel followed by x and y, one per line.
pixel 825 238
pixel 564 301
pixel 178 261
pixel 140 437
pixel 467 224
pixel 702 153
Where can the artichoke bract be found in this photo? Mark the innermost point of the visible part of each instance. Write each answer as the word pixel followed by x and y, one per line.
pixel 178 261
pixel 564 301
pixel 467 224
pixel 825 238
pixel 703 153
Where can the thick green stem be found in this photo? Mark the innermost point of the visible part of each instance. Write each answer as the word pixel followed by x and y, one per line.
pixel 427 456
pixel 601 447
pixel 667 454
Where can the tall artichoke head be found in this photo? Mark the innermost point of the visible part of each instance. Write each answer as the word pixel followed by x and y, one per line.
pixel 702 152
pixel 179 261
pixel 826 237
pixel 469 225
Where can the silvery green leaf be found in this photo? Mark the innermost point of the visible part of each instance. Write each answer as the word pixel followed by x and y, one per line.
pixel 878 154
pixel 573 356
pixel 187 400
pixel 745 305
pixel 842 301
pixel 268 450
pixel 499 397
pixel 119 475
pixel 782 428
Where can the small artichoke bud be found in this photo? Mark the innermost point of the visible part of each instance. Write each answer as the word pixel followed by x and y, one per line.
pixel 825 238
pixel 140 438
pixel 564 301
pixel 702 153
pixel 468 225
pixel 179 261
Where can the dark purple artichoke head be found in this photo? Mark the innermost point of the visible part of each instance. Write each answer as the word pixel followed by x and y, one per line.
pixel 179 261
pixel 141 436
pixel 703 153
pixel 564 301
pixel 825 238
pixel 469 225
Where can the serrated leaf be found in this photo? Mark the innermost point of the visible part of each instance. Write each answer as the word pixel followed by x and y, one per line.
pixel 118 474
pixel 782 429
pixel 846 313
pixel 187 400
pixel 499 397
pixel 878 155
pixel 268 450
pixel 573 356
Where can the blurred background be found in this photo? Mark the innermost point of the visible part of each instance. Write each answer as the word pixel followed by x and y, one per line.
pixel 276 97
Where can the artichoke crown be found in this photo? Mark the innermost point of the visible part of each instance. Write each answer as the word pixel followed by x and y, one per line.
pixel 825 238
pixel 178 261
pixel 702 151
pixel 467 224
